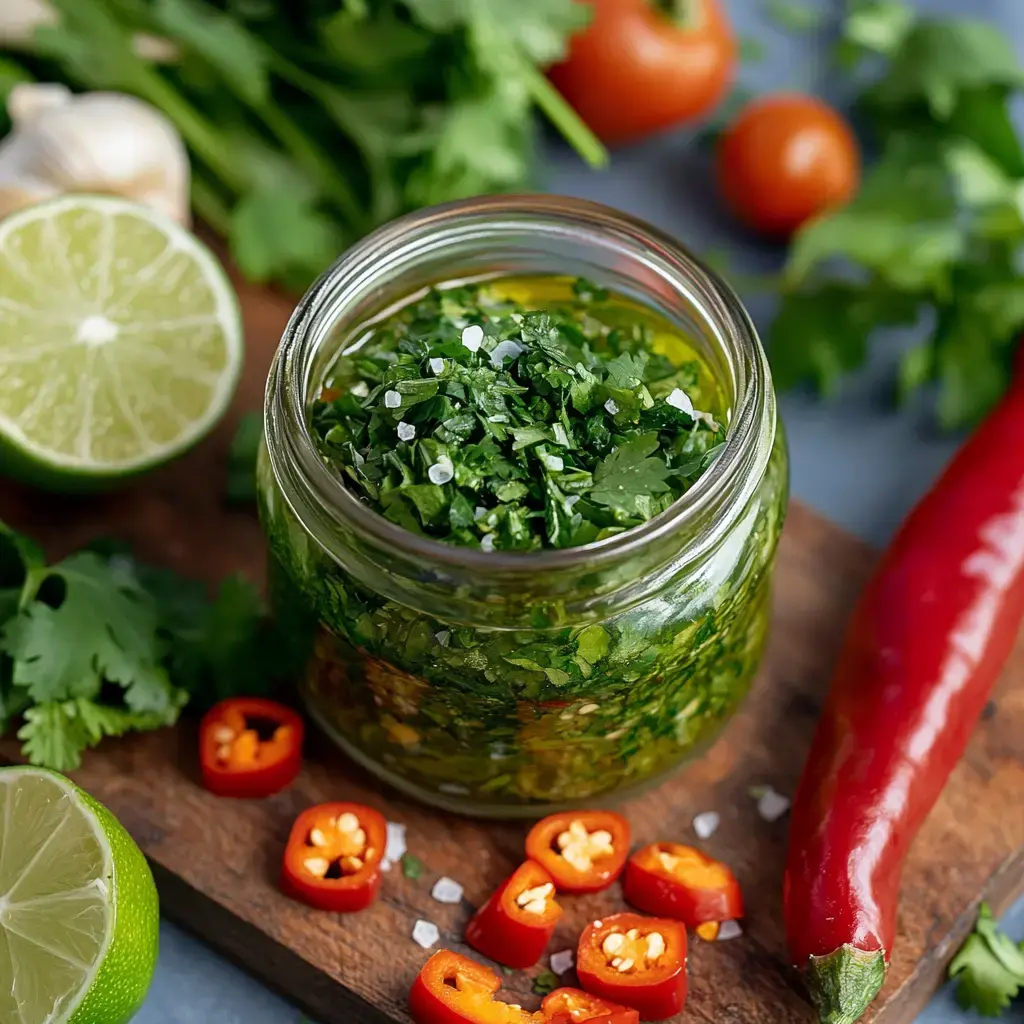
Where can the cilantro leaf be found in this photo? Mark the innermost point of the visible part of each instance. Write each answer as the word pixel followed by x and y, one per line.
pixel 989 969
pixel 104 628
pixel 412 866
pixel 629 472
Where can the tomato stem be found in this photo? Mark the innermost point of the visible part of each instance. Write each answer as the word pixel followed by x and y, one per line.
pixel 683 13
pixel 842 983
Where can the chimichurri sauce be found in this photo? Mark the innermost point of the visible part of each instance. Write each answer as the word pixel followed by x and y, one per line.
pixel 518 415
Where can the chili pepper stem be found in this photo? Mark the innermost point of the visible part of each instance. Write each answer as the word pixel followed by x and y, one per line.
pixel 844 982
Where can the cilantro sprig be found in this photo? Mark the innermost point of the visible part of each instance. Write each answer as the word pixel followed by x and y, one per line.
pixel 989 969
pixel 937 232
pixel 474 420
pixel 310 122
pixel 100 645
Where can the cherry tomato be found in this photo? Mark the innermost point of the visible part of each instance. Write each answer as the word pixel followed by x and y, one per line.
pixel 785 159
pixel 637 69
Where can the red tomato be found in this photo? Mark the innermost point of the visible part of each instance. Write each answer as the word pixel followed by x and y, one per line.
pixel 635 69
pixel 785 159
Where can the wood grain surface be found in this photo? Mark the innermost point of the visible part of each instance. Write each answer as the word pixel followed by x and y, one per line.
pixel 216 861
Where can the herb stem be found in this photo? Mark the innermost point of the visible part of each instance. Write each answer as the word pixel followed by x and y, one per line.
pixel 563 117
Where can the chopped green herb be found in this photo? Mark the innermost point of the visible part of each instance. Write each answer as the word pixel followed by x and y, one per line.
pixel 989 969
pixel 478 421
pixel 545 983
pixel 412 866
pixel 507 971
pixel 245 446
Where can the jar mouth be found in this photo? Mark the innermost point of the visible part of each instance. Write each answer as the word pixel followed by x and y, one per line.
pixel 666 269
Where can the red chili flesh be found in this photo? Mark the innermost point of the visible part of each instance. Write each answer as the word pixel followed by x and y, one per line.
pixel 922 652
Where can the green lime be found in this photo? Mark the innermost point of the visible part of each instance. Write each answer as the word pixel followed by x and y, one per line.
pixel 120 341
pixel 78 909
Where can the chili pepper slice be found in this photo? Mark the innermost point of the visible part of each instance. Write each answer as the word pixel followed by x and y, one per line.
pixel 515 925
pixel 677 881
pixel 452 989
pixel 637 961
pixel 583 851
pixel 250 747
pixel 579 1007
pixel 332 860
pixel 923 649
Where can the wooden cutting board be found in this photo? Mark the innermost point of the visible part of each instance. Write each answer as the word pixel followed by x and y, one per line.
pixel 216 861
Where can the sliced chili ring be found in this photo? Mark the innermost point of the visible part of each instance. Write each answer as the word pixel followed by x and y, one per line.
pixel 452 989
pixel 250 747
pixel 677 881
pixel 332 859
pixel 637 961
pixel 579 1007
pixel 583 851
pixel 515 925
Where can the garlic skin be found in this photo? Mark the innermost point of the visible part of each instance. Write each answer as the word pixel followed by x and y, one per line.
pixel 98 142
pixel 19 20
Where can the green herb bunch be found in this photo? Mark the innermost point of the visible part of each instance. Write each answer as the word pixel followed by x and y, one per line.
pixel 100 645
pixel 937 232
pixel 989 969
pixel 470 419
pixel 312 121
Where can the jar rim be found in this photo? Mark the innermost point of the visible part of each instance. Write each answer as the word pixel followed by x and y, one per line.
pixel 294 455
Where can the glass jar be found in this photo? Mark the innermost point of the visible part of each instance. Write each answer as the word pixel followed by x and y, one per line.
pixel 437 667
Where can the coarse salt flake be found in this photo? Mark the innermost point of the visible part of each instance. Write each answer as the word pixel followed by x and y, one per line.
pixel 360 389
pixel 406 431
pixel 447 890
pixel 479 512
pixel 443 637
pixel 394 847
pixel 440 472
pixel 473 337
pixel 611 407
pixel 563 961
pixel 571 500
pixel 392 400
pixel 503 350
pixel 437 366
pixel 487 542
pixel 425 934
pixel 729 930
pixel 706 824
pixel 772 805
pixel 679 399
pixel 553 462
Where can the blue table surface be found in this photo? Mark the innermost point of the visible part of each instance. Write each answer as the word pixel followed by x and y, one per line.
pixel 667 182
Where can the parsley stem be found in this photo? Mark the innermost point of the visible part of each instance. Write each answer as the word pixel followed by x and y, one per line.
pixel 563 117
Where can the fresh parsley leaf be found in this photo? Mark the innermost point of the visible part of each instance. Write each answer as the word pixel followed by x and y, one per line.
pixel 879 26
pixel 629 473
pixel 989 969
pixel 412 866
pixel 245 446
pixel 545 982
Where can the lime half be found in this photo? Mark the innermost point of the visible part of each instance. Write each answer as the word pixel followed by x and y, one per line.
pixel 78 908
pixel 120 341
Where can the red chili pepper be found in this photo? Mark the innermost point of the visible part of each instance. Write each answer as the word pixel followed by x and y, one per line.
pixel 452 989
pixel 578 1007
pixel 332 860
pixel 515 925
pixel 680 882
pixel 583 851
pixel 250 747
pixel 637 961
pixel 924 647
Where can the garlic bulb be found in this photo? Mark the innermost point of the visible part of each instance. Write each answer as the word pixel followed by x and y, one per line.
pixel 19 20
pixel 94 142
